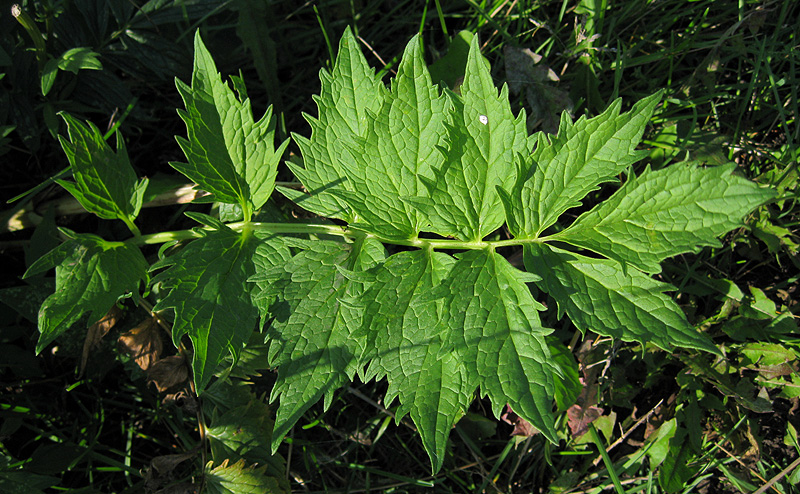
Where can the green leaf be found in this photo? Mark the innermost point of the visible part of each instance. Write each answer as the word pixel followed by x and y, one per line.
pixel 405 345
pixel 211 297
pixel 764 354
pixel 228 153
pixel 758 306
pixel 242 433
pixel 675 470
pixel 76 59
pixel 598 295
pixel 483 138
pixel 348 94
pixel 568 386
pixel 71 60
pixel 311 339
pixel 399 146
pixel 270 257
pixel 494 329
pixel 105 183
pixel 564 168
pixel 451 67
pixel 49 74
pixel 91 274
pixel 239 478
pixel 438 328
pixel 666 212
pixel 253 28
pixel 658 444
pixel 241 429
pixel 25 482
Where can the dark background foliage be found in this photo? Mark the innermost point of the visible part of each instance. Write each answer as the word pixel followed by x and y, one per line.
pixel 729 69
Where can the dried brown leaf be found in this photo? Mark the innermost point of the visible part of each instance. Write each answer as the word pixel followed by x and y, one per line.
pixel 182 399
pixel 521 426
pixel 159 473
pixel 525 71
pixel 165 464
pixel 168 373
pixel 96 332
pixel 585 411
pixel 579 418
pixel 143 343
pixel 182 488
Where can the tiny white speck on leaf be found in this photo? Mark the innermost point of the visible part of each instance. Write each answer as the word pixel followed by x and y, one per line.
pixel 484 119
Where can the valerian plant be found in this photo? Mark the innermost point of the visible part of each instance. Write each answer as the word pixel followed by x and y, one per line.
pixel 420 179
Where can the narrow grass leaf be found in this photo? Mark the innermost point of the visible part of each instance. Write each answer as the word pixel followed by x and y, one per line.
pixel 254 28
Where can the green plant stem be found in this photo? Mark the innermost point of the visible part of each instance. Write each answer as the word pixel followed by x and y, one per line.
pixel 32 29
pixel 132 227
pixel 606 459
pixel 164 237
pixel 351 233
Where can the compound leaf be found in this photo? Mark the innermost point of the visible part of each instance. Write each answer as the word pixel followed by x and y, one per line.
pixel 406 346
pixel 598 295
pixel 211 297
pixel 494 329
pixel 399 146
pixel 105 183
pixel 483 138
pixel 227 152
pixel 564 168
pixel 91 274
pixel 348 94
pixel 666 212
pixel 311 338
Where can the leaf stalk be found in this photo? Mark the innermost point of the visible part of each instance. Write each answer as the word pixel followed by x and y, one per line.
pixel 335 230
